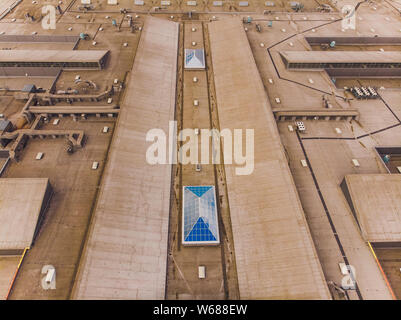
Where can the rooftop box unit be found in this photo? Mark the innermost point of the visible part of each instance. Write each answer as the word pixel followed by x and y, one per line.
pixel 39 156
pixel 95 165
pixel 50 275
pixel 202 272
pixel 198 167
pixel 105 129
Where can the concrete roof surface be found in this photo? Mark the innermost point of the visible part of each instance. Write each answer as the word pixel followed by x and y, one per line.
pixel 274 251
pixel 341 56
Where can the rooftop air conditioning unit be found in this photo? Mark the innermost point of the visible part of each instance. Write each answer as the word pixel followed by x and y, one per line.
pixel 202 272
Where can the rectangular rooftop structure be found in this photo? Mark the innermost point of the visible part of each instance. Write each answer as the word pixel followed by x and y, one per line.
pixel 274 252
pixel 199 216
pixel 375 201
pixel 125 256
pixel 65 59
pixel 23 204
pixel 341 59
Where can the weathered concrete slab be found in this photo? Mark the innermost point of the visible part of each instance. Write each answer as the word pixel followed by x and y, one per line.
pixel 126 252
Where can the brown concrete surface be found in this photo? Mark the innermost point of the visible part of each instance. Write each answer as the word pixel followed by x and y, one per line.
pixel 63 230
pixel 126 250
pixel 275 255
pixel 62 236
pixel 376 202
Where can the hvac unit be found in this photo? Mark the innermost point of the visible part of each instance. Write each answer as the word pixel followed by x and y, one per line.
pixel 198 167
pixel 39 156
pixel 202 272
pixel 300 126
pixel 95 165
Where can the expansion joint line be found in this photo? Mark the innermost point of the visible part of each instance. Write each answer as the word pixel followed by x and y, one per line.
pixel 326 210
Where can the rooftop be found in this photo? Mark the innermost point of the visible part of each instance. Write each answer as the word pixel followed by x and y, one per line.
pixel 342 56
pixel 376 205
